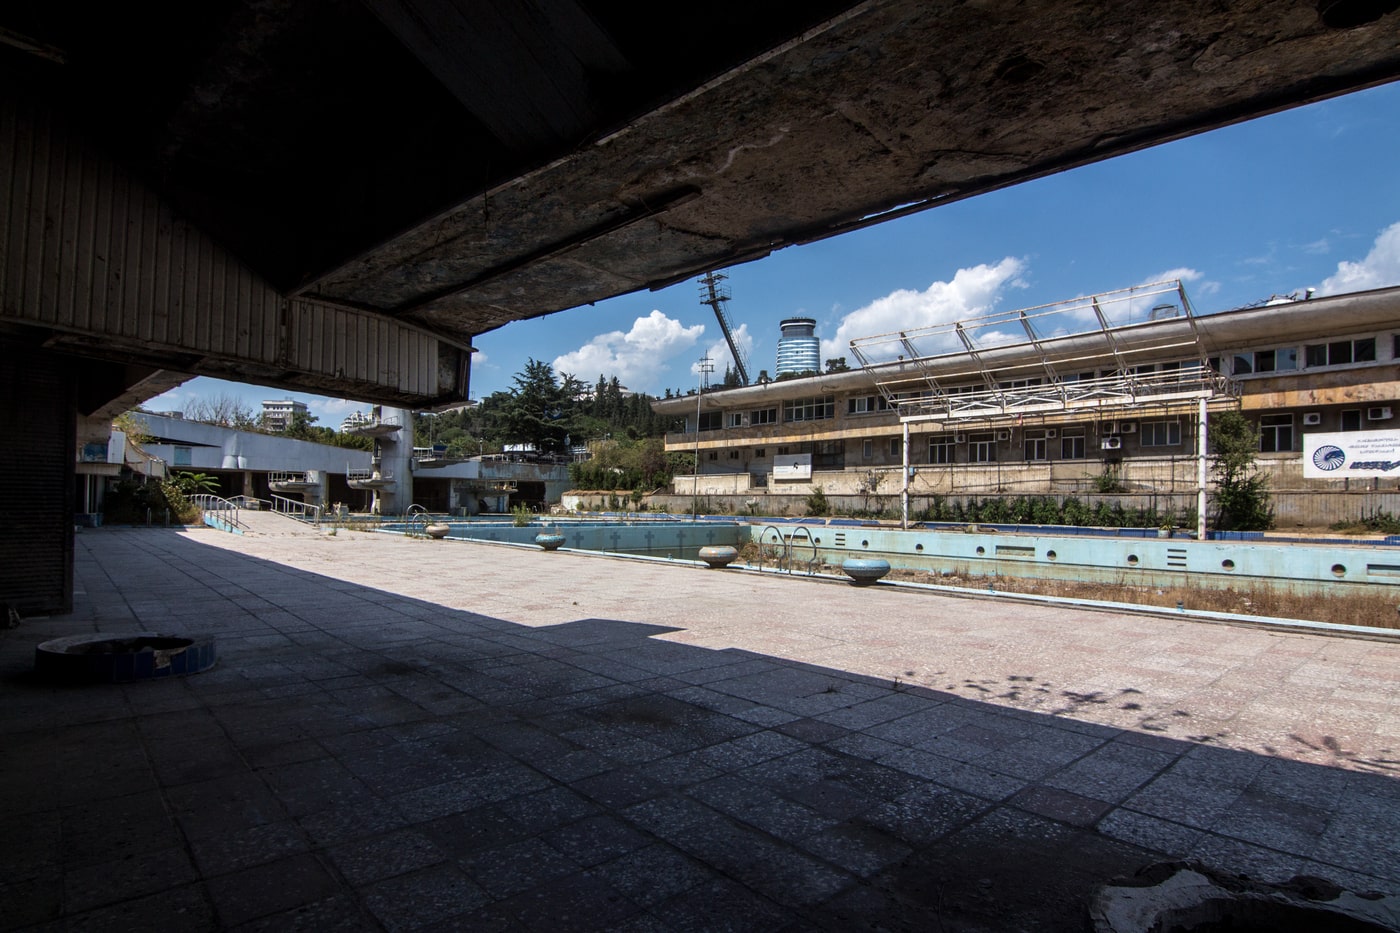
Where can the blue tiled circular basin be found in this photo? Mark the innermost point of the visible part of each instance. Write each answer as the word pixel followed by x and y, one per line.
pixel 123 658
pixel 718 556
pixel 549 540
pixel 864 571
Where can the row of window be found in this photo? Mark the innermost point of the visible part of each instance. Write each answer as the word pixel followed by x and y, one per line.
pixel 1285 359
pixel 802 409
pixel 1248 362
pixel 1276 435
pixel 817 408
pixel 982 447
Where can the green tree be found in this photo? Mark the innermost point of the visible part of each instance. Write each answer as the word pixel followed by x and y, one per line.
pixel 301 427
pixel 541 408
pixel 134 429
pixel 837 365
pixel 191 484
pixel 1241 494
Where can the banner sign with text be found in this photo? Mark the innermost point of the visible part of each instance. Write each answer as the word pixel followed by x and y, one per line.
pixel 792 466
pixel 1351 455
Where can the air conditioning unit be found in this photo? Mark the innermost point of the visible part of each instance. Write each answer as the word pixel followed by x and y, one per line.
pixel 1050 433
pixel 1127 427
pixel 1312 418
pixel 1111 443
pixel 959 438
pixel 1003 435
pixel 1110 427
pixel 1378 414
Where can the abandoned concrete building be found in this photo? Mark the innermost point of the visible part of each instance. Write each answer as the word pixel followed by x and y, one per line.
pixel 1115 388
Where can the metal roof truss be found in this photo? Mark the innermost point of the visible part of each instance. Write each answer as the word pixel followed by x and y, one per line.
pixel 924 385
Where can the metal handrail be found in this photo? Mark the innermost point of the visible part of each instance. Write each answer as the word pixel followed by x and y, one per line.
pixel 209 503
pixel 416 517
pixel 792 541
pixel 778 539
pixel 292 508
pixel 252 503
pixel 784 556
pixel 364 476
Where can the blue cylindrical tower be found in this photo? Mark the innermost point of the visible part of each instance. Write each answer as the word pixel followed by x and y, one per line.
pixel 799 348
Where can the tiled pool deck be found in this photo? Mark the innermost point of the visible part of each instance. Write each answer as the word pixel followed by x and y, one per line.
pixel 408 734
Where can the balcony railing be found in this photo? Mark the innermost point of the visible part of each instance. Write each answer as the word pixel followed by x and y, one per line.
pixel 1119 391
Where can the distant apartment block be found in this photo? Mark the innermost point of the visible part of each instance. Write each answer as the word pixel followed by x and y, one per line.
pixel 278 415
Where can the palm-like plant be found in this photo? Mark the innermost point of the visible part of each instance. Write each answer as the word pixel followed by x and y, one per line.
pixel 191 484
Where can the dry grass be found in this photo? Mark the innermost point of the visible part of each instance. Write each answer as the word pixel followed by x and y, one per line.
pixel 1378 610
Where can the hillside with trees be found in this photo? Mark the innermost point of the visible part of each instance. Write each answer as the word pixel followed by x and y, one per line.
pixel 553 414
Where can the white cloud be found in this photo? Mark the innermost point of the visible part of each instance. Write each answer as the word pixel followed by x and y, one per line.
pixel 972 292
pixel 1181 273
pixel 1187 276
pixel 335 409
pixel 636 357
pixel 1379 269
pixel 719 353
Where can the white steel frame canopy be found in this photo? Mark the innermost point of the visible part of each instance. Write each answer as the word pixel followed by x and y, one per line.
pixel 1001 367
pixel 1025 361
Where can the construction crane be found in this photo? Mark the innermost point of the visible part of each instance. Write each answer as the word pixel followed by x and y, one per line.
pixel 715 293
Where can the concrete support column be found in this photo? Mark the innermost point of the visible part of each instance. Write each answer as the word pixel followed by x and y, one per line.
pixel 1201 426
pixel 37 477
pixel 396 460
pixel 904 482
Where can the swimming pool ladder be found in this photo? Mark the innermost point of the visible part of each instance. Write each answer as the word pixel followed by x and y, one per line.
pixel 417 518
pixel 784 552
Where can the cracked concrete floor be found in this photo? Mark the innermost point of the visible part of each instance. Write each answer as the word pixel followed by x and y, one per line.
pixel 407 734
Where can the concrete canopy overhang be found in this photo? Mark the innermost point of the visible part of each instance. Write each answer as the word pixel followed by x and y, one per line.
pixel 456 165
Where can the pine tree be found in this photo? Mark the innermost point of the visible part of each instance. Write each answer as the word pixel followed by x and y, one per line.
pixel 540 410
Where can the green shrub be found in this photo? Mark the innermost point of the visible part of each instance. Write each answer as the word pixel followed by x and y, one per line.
pixel 132 503
pixel 1380 521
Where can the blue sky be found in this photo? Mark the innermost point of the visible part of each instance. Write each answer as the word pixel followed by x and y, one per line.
pixel 1305 198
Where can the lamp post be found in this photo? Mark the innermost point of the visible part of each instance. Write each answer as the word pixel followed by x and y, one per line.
pixel 705 366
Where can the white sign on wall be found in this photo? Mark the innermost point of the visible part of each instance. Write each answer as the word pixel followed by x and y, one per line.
pixel 792 466
pixel 1351 455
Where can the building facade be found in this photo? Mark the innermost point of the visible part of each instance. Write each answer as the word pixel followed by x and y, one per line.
pixel 278 415
pixel 1120 405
